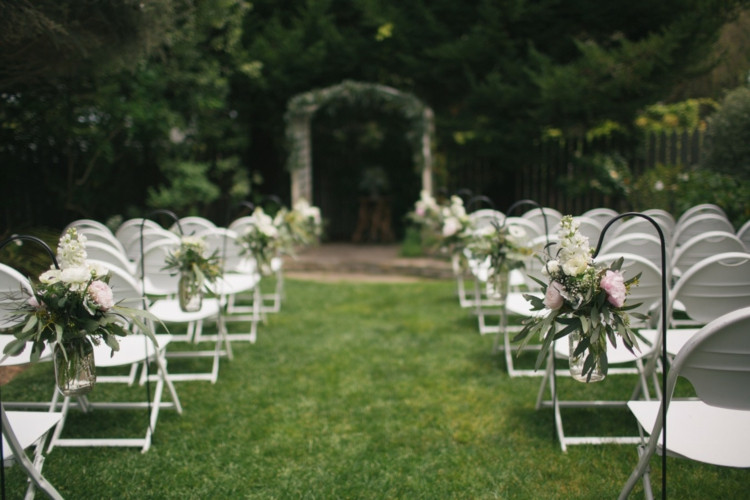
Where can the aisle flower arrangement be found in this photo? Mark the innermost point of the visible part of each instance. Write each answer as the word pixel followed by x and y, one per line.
pixel 300 226
pixel 196 270
pixel 583 299
pixel 69 308
pixel 455 226
pixel 504 247
pixel 264 240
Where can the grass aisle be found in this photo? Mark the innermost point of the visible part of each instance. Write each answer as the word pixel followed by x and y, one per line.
pixel 357 391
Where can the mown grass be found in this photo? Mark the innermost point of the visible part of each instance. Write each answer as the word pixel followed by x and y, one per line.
pixel 361 390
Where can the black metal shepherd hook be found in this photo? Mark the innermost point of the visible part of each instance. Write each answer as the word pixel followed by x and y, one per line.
pixel 40 242
pixel 663 327
pixel 534 204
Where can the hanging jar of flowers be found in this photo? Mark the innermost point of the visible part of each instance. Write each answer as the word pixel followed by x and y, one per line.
pixel 585 302
pixel 195 269
pixel 72 308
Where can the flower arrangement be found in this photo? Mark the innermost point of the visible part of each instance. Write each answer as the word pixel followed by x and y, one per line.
pixel 455 227
pixel 427 213
pixel 302 225
pixel 582 298
pixel 69 308
pixel 504 245
pixel 264 240
pixel 190 257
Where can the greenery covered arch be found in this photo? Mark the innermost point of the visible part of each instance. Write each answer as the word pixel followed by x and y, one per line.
pixel 302 108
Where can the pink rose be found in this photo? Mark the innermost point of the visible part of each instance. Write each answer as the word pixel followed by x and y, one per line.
pixel 101 294
pixel 613 284
pixel 553 299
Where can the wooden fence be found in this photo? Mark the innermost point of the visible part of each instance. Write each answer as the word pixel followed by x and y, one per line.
pixel 560 178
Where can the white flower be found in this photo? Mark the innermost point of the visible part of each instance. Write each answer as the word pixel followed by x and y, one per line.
pixel 451 226
pixel 97 269
pixel 576 264
pixel 75 275
pixel 552 268
pixel 71 250
pixel 50 277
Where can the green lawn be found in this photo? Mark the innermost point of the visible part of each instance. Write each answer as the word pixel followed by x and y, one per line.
pixel 361 390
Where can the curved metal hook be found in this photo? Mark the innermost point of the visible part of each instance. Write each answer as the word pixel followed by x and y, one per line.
pixel 39 241
pixel 663 321
pixel 478 199
pixel 533 203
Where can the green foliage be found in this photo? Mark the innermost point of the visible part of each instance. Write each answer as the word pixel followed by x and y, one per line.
pixel 687 115
pixel 728 137
pixel 607 174
pixel 362 391
pixel 675 188
pixel 188 187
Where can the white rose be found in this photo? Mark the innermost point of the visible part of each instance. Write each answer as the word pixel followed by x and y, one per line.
pixel 576 264
pixel 451 226
pixel 552 267
pixel 78 274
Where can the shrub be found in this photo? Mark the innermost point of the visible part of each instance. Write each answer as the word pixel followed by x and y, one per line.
pixel 728 136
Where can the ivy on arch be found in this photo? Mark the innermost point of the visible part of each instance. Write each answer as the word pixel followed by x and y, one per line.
pixel 302 107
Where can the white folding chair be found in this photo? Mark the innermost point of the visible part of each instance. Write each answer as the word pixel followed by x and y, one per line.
pixel 100 236
pixel 240 279
pixel 712 428
pixel 22 430
pixel 662 217
pixel 83 224
pixel 621 361
pixel 538 217
pixel 136 350
pixel 589 228
pixel 104 252
pixel 696 210
pixel 159 282
pixel 141 239
pixel 646 245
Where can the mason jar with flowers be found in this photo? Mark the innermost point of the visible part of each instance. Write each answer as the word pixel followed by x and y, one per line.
pixel 264 240
pixel 71 308
pixel 505 248
pixel 196 270
pixel 584 301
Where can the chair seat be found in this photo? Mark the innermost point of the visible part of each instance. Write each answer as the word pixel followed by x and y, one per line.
pixel 234 283
pixel 131 350
pixel 676 338
pixel 168 310
pixel 714 444
pixel 516 304
pixel 28 426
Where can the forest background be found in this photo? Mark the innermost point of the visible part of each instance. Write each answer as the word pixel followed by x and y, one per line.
pixel 112 108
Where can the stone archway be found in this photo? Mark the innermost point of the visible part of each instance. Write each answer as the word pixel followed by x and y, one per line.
pixel 302 107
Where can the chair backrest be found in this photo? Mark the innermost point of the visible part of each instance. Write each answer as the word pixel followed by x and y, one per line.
pixel 643 244
pixel 534 264
pixel 87 224
pixel 714 286
pixel 132 227
pixel 158 281
pixel 602 215
pixel 702 209
pixel 228 247
pixel 12 285
pixel 192 225
pixel 97 235
pixel 589 228
pixel 637 224
pixel 648 293
pixel 133 245
pixel 241 224
pixel 716 360
pixel 698 225
pixel 743 233
pixel 486 217
pixel 551 215
pixel 531 228
pixel 704 245
pixel 103 252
